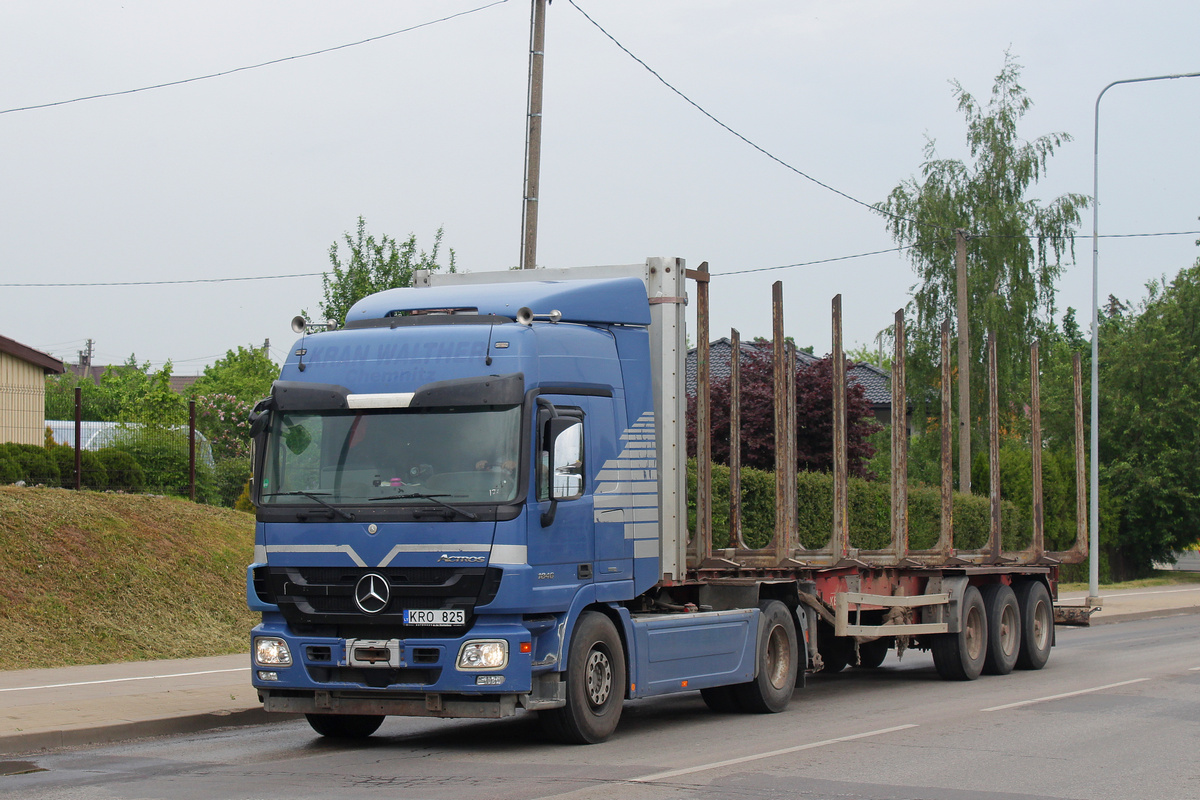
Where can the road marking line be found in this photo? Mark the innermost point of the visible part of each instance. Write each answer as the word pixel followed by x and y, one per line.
pixel 1061 696
pixel 1194 669
pixel 658 776
pixel 121 680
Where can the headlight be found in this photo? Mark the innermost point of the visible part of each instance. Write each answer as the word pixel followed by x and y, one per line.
pixel 485 654
pixel 272 652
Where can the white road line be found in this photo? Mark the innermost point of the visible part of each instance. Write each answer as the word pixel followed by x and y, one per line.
pixel 658 776
pixel 1194 669
pixel 1061 696
pixel 121 680
pixel 1118 595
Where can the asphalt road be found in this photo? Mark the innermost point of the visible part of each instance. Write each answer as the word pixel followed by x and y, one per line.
pixel 1116 714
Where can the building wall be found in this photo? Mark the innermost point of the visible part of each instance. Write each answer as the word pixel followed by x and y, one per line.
pixel 22 401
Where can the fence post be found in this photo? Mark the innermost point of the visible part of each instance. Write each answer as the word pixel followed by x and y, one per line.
pixel 192 450
pixel 78 438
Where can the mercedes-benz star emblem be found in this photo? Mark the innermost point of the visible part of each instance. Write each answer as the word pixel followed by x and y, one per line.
pixel 372 593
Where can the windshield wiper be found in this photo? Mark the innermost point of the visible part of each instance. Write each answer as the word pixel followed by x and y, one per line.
pixel 434 497
pixel 316 497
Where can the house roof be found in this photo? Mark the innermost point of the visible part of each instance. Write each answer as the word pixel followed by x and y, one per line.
pixel 876 382
pixel 47 362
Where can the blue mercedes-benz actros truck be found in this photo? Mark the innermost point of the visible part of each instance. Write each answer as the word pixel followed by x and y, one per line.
pixel 471 503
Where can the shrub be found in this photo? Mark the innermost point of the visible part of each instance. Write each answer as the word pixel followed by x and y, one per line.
pixel 162 453
pixel 10 471
pixel 231 475
pixel 95 476
pixel 243 501
pixel 124 473
pixel 35 465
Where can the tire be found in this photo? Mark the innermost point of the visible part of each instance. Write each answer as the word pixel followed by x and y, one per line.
pixel 595 684
pixel 1037 624
pixel 871 654
pixel 345 726
pixel 835 653
pixel 1004 629
pixel 720 699
pixel 778 659
pixel 959 656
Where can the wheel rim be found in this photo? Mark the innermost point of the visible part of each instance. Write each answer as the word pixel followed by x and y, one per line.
pixel 599 678
pixel 778 657
pixel 1041 626
pixel 973 633
pixel 1008 630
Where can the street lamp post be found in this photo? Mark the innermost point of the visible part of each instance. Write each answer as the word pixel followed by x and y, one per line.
pixel 1094 522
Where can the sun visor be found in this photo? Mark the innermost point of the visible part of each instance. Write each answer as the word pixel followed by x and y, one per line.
pixel 300 396
pixel 488 390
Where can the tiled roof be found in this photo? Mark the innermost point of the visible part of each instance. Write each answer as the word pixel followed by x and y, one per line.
pixel 876 382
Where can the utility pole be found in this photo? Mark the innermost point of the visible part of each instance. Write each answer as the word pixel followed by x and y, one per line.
pixel 533 136
pixel 964 364
pixel 267 347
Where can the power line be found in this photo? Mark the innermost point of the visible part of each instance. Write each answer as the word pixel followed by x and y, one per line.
pixel 757 147
pixel 814 263
pixel 162 283
pixel 252 66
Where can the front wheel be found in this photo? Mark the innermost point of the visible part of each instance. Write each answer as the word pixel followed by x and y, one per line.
pixel 595 684
pixel 345 726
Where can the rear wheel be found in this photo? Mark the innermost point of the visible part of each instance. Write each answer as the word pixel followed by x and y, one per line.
pixel 1004 629
pixel 1037 624
pixel 959 656
pixel 771 690
pixel 871 654
pixel 595 684
pixel 836 652
pixel 344 726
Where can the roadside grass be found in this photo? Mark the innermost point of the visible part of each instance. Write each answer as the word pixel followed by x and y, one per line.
pixel 1162 577
pixel 94 578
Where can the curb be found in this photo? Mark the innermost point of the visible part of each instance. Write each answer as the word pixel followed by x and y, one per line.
pixel 1154 614
pixel 38 741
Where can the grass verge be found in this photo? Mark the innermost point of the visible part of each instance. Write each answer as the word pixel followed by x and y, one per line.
pixel 1161 577
pixel 92 578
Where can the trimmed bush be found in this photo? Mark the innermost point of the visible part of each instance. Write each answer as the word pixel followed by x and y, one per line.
pixel 869 508
pixel 35 465
pixel 95 476
pixel 124 473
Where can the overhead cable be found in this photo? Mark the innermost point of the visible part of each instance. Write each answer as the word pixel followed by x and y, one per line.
pixel 251 66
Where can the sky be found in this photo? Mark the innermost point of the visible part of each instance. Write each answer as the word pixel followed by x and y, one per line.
pixel 256 173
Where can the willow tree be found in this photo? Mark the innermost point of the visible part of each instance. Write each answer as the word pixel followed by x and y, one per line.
pixel 1016 245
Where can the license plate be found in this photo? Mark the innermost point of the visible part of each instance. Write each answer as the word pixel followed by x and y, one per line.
pixel 434 616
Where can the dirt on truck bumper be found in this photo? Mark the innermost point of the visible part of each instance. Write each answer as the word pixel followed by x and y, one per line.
pixel 404 704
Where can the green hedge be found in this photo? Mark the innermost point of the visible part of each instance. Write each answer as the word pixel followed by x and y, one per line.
pixel 869 513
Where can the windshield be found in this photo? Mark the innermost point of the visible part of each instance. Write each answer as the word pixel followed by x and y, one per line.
pixel 398 455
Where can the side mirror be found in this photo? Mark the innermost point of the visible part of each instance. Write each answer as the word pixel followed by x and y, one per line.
pixel 564 462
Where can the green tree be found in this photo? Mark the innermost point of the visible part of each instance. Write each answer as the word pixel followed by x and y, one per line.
pixel 371 265
pixel 1150 401
pixel 1016 247
pixel 246 373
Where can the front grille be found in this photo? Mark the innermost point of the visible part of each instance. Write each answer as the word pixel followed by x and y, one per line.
pixel 325 595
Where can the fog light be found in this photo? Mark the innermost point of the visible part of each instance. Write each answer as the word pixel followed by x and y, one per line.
pixel 266 675
pixel 270 651
pixel 484 654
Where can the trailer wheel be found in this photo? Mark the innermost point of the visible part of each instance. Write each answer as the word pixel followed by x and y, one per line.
pixel 345 726
pixel 1037 624
pixel 1004 629
pixel 959 656
pixel 836 652
pixel 871 654
pixel 595 684
pixel 771 690
pixel 720 699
